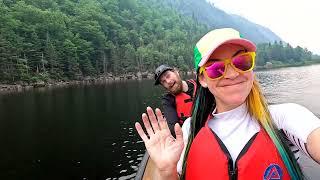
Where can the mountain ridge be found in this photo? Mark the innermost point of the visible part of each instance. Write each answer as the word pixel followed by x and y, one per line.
pixel 214 17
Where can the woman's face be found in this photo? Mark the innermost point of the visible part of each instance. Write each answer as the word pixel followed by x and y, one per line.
pixel 232 89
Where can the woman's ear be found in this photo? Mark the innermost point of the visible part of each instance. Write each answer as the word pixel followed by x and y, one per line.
pixel 203 81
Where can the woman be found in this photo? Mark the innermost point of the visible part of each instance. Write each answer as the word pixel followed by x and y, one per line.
pixel 233 134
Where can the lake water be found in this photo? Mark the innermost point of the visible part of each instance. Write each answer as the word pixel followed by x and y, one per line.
pixel 86 132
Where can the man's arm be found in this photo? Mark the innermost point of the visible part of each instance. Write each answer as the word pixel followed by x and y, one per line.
pixel 170 111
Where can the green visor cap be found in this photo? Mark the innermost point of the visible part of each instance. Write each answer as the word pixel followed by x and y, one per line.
pixel 215 38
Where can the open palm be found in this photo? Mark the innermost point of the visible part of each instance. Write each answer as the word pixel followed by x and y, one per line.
pixel 162 147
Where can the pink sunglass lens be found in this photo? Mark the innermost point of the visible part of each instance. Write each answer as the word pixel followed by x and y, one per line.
pixel 243 63
pixel 215 70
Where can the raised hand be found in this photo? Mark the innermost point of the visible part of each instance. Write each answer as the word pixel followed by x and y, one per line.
pixel 162 147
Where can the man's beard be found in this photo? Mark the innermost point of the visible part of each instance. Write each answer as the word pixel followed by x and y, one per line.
pixel 177 88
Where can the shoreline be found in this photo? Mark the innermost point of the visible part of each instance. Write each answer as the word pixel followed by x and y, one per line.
pixel 109 78
pixel 24 86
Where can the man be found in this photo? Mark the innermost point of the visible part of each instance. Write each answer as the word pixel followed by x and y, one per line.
pixel 177 102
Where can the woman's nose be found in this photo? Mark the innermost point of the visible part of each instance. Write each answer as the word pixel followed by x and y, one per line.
pixel 230 73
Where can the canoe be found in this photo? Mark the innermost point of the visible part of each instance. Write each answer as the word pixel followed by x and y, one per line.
pixel 146 168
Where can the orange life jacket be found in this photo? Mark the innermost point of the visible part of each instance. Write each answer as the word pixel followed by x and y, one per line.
pixel 184 103
pixel 208 158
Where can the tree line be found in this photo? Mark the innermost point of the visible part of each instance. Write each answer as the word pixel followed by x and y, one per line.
pixel 280 53
pixel 43 40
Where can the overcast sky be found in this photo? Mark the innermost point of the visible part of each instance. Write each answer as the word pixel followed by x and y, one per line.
pixel 295 21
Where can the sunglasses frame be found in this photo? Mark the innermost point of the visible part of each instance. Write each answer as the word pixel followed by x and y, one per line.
pixel 228 61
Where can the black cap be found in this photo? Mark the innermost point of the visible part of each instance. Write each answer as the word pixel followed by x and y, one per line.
pixel 159 71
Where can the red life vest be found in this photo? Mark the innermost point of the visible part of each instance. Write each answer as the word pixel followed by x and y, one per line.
pixel 184 103
pixel 208 158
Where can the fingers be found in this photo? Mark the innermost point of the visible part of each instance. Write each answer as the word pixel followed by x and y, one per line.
pixel 141 132
pixel 153 119
pixel 154 126
pixel 147 125
pixel 162 121
pixel 178 131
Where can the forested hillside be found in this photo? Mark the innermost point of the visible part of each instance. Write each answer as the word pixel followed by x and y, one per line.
pixel 43 40
pixel 70 39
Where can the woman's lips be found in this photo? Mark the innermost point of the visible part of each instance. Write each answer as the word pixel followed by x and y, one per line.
pixel 231 83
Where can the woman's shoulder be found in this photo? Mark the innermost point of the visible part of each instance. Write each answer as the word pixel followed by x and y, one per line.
pixel 287 108
pixel 293 118
pixel 288 112
pixel 284 105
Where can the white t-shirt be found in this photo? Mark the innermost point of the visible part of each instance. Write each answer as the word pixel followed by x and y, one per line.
pixel 236 127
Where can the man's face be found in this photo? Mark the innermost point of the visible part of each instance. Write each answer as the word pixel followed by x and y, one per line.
pixel 171 81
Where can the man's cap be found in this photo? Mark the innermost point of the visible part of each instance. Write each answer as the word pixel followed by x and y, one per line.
pixel 159 71
pixel 215 38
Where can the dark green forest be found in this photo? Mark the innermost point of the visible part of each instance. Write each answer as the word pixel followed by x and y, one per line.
pixel 42 40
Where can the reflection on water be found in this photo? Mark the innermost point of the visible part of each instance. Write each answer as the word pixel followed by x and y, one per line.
pixel 87 132
pixel 296 84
